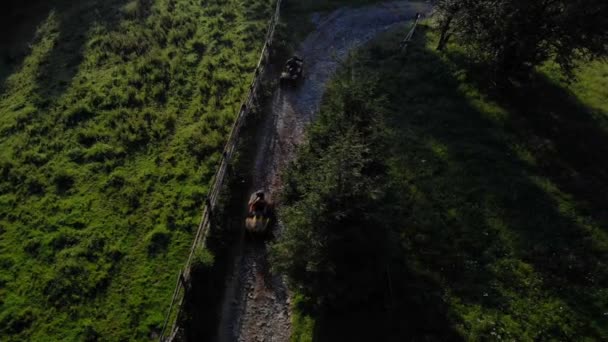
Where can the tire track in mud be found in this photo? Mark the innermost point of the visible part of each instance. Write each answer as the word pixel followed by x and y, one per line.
pixel 256 306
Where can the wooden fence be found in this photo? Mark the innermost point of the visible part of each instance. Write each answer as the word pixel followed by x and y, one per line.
pixel 183 278
pixel 410 34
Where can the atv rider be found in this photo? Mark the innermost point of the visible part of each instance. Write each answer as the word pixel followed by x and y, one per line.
pixel 293 64
pixel 257 205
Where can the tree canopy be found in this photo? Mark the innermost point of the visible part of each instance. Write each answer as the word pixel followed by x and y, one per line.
pixel 514 36
pixel 334 246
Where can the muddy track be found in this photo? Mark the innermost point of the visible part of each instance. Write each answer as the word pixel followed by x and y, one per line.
pixel 256 304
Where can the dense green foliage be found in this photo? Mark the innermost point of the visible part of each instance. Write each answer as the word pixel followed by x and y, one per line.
pixel 339 249
pixel 515 36
pixel 111 126
pixel 498 197
pixel 332 200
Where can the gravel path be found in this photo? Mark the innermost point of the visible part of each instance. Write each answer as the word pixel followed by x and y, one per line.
pixel 256 304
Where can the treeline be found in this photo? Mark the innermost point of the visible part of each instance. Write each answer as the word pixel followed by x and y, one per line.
pixel 515 36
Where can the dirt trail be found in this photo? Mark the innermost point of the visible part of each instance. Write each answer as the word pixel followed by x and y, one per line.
pixel 256 303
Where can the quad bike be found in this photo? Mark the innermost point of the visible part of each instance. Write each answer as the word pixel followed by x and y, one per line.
pixel 293 71
pixel 259 214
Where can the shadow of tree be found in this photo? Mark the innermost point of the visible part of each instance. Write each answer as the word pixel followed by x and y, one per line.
pixel 560 131
pixel 570 146
pixel 75 21
pixel 477 211
pixel 407 307
pixel 21 19
pixel 18 23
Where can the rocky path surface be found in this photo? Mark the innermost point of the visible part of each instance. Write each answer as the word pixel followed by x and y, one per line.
pixel 256 305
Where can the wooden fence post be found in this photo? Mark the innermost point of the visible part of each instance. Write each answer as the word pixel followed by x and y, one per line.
pixel 182 279
pixel 209 206
pixel 410 34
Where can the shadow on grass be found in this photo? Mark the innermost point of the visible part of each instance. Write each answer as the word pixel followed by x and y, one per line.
pixel 408 306
pixel 478 209
pixel 18 23
pixel 568 143
pixel 75 20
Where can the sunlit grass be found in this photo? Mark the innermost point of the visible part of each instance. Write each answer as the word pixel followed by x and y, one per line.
pixel 110 131
pixel 590 86
pixel 303 325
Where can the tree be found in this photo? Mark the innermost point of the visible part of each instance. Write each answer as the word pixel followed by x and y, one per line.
pixel 514 36
pixel 447 11
pixel 334 247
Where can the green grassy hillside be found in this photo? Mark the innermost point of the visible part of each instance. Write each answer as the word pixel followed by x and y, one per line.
pixel 499 221
pixel 112 120
pixel 504 192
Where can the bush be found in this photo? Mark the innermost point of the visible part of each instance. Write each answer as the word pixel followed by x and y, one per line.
pixel 202 259
pixel 158 239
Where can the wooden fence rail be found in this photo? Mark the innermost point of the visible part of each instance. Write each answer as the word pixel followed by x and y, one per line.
pixel 183 278
pixel 410 34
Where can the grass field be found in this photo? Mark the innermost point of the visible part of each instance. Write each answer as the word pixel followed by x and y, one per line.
pixel 113 116
pixel 505 194
pixel 501 195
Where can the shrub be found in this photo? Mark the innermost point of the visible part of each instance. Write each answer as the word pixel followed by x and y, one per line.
pixel 202 259
pixel 158 239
